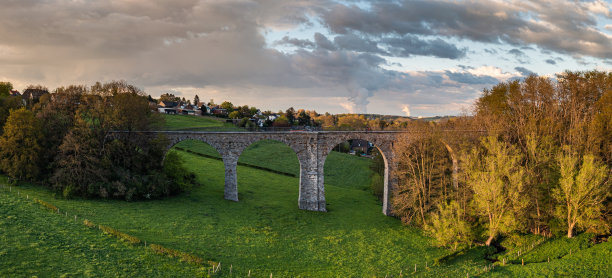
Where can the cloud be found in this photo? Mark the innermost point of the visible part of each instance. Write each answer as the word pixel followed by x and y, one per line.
pixel 224 48
pixel 295 42
pixel 407 46
pixel 323 42
pixel 564 27
pixel 406 110
pixel 357 43
pixel 524 71
pixel 519 55
pixel 468 78
pixel 551 61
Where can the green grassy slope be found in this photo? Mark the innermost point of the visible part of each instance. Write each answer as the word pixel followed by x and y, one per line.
pixel 265 232
pixel 197 123
pixel 37 242
pixel 585 260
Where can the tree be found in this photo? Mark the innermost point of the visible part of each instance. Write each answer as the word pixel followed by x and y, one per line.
pixel 19 145
pixel 227 106
pixel 6 105
pixel 167 97
pixel 5 89
pixel 234 115
pixel 583 188
pixel 449 227
pixel 57 115
pixel 496 178
pixel 352 122
pixel 424 176
pixel 196 100
pixel 79 163
pixel 290 116
pixel 281 122
pixel 303 118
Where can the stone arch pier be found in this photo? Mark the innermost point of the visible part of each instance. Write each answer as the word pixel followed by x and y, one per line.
pixel 311 147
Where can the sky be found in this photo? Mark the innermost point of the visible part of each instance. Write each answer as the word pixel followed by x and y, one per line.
pixel 413 58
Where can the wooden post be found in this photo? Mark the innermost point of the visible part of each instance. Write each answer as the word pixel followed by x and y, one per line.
pixel 522 261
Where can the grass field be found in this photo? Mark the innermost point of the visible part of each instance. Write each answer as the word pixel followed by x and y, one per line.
pixel 265 232
pixel 197 123
pixel 37 242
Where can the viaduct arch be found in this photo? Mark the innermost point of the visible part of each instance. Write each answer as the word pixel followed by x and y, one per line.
pixel 311 147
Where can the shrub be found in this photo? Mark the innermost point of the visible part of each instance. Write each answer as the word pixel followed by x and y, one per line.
pixel 377 185
pixel 47 205
pixel 448 227
pixel 186 257
pixel 181 179
pixel 120 235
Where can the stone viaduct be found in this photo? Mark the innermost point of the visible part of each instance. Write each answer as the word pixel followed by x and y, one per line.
pixel 311 147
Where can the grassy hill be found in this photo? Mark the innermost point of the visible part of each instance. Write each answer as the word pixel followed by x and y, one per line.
pixel 37 242
pixel 265 232
pixel 197 123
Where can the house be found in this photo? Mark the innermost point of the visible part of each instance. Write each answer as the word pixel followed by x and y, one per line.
pixel 32 95
pixel 187 110
pixel 14 93
pixel 168 107
pixel 362 146
pixel 218 111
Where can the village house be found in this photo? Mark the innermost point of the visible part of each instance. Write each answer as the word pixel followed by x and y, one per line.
pixel 168 107
pixel 32 95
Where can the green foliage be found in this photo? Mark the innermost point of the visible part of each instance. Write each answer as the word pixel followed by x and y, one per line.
pixel 496 178
pixel 20 145
pixel 582 191
pixel 227 106
pixel 5 89
pixel 174 169
pixel 377 185
pixel 281 121
pixel 449 227
pixel 234 115
pixel 6 105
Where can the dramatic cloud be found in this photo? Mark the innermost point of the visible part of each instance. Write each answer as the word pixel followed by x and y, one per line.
pixel 434 56
pixel 566 27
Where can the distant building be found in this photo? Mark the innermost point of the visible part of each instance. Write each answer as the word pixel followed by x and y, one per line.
pixel 14 93
pixel 362 146
pixel 32 95
pixel 168 107
pixel 187 110
pixel 218 111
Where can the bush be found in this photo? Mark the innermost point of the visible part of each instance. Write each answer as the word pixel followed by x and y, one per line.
pixel 377 185
pixel 448 227
pixel 186 257
pixel 181 178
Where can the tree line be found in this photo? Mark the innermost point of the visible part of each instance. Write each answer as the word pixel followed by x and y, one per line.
pixel 535 157
pixel 61 140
